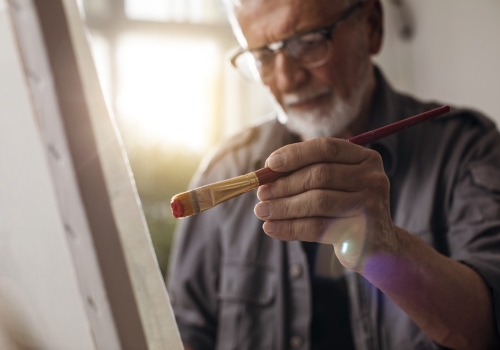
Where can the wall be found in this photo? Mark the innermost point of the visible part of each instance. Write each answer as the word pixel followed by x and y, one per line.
pixel 454 55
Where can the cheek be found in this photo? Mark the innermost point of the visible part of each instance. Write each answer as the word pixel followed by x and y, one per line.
pixel 341 72
pixel 333 76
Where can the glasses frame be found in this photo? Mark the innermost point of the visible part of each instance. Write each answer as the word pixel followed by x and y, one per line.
pixel 277 46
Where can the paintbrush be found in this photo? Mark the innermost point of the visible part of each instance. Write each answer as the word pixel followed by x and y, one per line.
pixel 205 197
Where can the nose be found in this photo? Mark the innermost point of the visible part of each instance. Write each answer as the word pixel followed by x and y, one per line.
pixel 289 75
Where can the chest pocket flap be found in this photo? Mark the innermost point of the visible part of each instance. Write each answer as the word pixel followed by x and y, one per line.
pixel 486 176
pixel 248 282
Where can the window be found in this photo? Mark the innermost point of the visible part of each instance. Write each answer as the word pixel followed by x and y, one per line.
pixel 162 69
pixel 170 98
pixel 192 11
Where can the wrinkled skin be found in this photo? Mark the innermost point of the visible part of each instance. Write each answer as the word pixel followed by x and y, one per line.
pixel 338 194
pixel 339 197
pixel 353 42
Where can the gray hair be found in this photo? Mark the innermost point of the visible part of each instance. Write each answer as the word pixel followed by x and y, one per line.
pixel 231 5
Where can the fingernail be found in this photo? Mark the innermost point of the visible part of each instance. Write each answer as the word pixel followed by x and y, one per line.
pixel 265 193
pixel 269 227
pixel 263 209
pixel 275 161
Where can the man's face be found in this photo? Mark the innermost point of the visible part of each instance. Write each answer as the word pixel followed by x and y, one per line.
pixel 325 100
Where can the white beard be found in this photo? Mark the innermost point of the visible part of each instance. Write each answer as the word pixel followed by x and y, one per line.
pixel 323 121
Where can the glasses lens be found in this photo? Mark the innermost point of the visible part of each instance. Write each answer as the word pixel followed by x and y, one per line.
pixel 309 49
pixel 264 61
pixel 247 66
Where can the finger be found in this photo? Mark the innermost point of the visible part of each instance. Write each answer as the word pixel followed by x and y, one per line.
pixel 305 229
pixel 336 231
pixel 322 203
pixel 319 150
pixel 328 176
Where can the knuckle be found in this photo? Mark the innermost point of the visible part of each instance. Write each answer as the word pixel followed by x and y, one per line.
pixel 285 209
pixel 379 179
pixel 327 146
pixel 331 147
pixel 286 188
pixel 322 201
pixel 375 160
pixel 319 175
pixel 281 187
pixel 321 226
pixel 383 182
pixel 293 230
pixel 376 156
pixel 309 182
pixel 294 155
pixel 373 164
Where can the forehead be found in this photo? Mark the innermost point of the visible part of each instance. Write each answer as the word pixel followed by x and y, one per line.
pixel 266 21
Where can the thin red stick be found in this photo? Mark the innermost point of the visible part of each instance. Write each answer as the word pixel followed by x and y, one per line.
pixel 266 175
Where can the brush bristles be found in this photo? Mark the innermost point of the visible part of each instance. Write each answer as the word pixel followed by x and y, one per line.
pixel 185 204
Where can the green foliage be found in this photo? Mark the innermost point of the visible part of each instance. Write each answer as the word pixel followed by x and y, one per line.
pixel 160 173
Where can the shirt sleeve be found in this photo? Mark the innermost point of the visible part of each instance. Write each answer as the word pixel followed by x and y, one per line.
pixel 193 278
pixel 474 217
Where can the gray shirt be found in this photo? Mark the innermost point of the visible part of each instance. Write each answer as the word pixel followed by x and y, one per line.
pixel 233 287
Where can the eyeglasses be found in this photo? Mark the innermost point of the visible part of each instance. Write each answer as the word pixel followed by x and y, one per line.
pixel 311 49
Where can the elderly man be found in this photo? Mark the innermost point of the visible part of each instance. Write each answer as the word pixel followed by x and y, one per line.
pixel 413 218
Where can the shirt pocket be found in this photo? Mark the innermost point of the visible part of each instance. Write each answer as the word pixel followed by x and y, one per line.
pixel 477 199
pixel 486 176
pixel 247 306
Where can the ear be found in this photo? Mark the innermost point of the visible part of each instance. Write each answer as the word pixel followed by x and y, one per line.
pixel 375 21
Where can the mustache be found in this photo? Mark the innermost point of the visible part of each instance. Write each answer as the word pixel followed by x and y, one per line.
pixel 305 95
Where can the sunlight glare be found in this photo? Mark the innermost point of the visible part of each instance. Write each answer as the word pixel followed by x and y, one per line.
pixel 165 89
pixel 194 11
pixel 149 10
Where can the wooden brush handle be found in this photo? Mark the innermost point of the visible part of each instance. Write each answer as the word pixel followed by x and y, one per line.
pixel 266 175
pixel 380 133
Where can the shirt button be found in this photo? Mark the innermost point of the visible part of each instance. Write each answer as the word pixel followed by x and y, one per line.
pixel 295 270
pixel 296 341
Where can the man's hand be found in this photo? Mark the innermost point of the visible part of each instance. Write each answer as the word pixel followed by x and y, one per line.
pixel 338 194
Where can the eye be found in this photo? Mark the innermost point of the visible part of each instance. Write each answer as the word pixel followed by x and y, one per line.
pixel 263 55
pixel 306 45
pixel 310 39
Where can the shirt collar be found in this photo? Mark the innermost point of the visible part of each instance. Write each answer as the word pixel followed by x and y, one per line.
pixel 385 110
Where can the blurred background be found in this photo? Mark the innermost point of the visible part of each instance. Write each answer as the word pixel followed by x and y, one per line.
pixel 164 72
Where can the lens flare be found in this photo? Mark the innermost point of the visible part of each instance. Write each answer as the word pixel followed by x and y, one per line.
pixel 345 245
